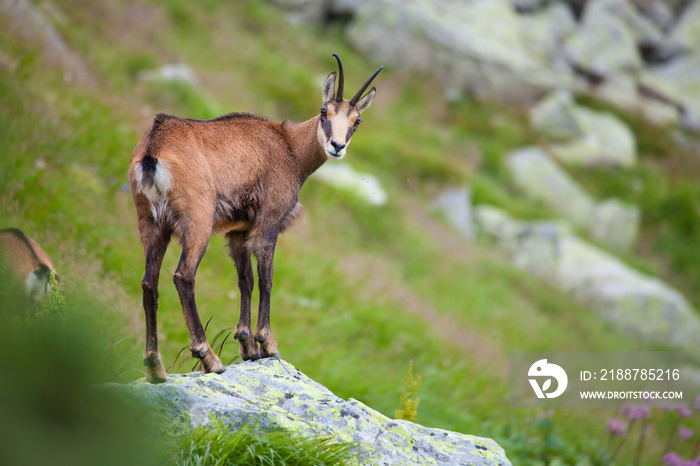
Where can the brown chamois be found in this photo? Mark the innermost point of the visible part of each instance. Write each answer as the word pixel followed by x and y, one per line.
pixel 237 175
pixel 29 265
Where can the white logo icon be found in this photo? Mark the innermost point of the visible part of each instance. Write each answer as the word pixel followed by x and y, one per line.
pixel 543 369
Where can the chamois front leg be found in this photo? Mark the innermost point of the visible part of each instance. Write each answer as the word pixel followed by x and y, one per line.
pixel 246 281
pixel 192 253
pixel 263 334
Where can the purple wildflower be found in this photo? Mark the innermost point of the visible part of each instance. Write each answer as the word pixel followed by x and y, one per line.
pixel 672 459
pixel 666 406
pixel 634 412
pixel 617 428
pixel 684 411
pixel 684 433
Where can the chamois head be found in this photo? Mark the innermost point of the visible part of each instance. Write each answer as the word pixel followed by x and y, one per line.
pixel 340 117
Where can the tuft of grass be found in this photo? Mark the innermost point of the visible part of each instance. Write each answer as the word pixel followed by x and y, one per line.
pixel 219 446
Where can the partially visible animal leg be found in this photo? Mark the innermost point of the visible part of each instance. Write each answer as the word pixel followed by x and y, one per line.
pixel 194 246
pixel 157 240
pixel 246 282
pixel 263 334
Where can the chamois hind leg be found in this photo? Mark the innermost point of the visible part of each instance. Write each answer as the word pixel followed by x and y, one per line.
pixel 194 246
pixel 246 281
pixel 265 253
pixel 155 243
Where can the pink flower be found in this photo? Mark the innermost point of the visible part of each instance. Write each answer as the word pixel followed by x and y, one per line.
pixel 672 459
pixel 684 411
pixel 634 412
pixel 684 433
pixel 617 428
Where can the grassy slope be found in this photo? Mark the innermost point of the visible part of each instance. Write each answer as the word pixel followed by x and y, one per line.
pixel 359 290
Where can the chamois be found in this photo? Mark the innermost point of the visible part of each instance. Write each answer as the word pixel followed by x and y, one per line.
pixel 237 175
pixel 29 265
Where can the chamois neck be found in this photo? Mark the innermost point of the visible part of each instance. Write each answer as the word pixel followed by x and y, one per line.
pixel 303 140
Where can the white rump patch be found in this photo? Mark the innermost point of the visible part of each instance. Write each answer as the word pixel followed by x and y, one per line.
pixel 162 180
pixel 36 286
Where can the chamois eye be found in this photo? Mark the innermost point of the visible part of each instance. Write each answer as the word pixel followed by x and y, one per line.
pixel 324 112
pixel 356 124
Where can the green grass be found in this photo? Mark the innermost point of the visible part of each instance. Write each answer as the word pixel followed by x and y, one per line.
pixel 218 446
pixel 359 290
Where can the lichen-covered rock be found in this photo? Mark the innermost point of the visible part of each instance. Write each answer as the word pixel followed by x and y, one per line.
pixel 455 204
pixel 273 394
pixel 477 46
pixel 677 82
pixel 616 223
pixel 363 185
pixel 580 136
pixel 686 34
pixel 542 179
pixel 604 44
pixel 640 304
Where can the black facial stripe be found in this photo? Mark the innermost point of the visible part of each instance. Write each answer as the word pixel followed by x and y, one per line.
pixel 349 135
pixel 327 129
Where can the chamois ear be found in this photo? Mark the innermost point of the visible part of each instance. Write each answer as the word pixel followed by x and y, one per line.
pixel 364 103
pixel 329 87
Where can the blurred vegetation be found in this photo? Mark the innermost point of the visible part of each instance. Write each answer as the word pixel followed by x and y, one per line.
pixel 360 290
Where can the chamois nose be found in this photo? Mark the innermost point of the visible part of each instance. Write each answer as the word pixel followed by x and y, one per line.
pixel 338 147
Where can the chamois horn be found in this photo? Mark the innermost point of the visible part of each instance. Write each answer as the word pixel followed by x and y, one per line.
pixel 341 79
pixel 358 96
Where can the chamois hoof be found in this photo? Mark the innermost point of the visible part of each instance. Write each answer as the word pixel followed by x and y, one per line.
pixel 249 349
pixel 210 361
pixel 268 348
pixel 155 371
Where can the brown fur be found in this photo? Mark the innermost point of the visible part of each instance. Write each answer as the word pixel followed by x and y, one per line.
pixel 25 257
pixel 237 175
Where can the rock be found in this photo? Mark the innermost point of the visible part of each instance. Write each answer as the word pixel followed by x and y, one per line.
pixel 631 300
pixel 637 303
pixel 543 33
pixel 603 45
pixel 526 6
pixel 658 12
pixel 531 246
pixel 645 32
pixel 677 83
pixel 554 117
pixel 686 34
pixel 273 394
pixel 179 72
pixel 611 222
pixel 455 204
pixel 542 179
pixel 301 12
pixel 362 185
pixel 475 45
pixel 616 224
pixel 580 136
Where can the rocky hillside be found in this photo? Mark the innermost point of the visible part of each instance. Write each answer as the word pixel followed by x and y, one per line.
pixel 638 55
pixel 508 190
pixel 635 56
